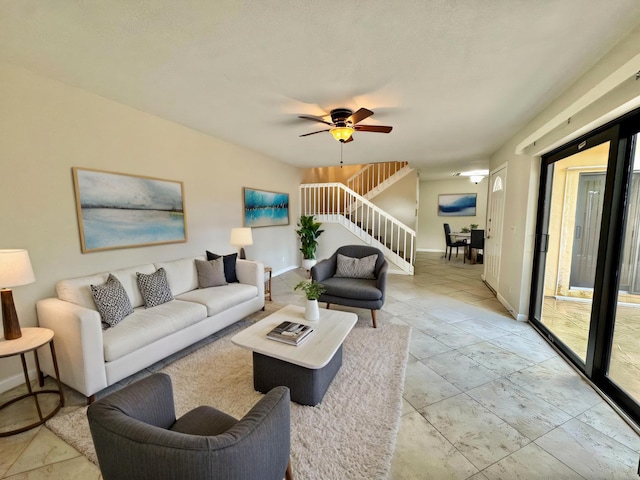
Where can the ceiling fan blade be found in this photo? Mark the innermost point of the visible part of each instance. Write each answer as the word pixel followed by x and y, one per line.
pixel 313 133
pixel 350 139
pixel 360 115
pixel 373 128
pixel 315 119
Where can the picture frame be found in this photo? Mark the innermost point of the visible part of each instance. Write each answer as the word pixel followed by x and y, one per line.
pixel 120 210
pixel 263 208
pixel 457 204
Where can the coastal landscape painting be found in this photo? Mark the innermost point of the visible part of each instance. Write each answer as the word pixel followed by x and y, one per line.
pixel 265 209
pixel 457 205
pixel 117 210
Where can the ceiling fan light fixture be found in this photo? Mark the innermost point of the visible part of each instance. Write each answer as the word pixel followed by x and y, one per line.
pixel 342 134
pixel 476 178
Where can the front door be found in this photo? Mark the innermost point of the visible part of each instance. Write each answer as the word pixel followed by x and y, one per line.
pixel 495 218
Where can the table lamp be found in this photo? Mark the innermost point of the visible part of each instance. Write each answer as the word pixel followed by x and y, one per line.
pixel 15 270
pixel 240 237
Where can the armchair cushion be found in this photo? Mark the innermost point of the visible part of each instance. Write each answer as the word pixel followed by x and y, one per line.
pixel 205 421
pixel 360 289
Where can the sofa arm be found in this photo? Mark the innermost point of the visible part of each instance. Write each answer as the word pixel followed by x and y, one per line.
pixel 78 344
pixel 251 272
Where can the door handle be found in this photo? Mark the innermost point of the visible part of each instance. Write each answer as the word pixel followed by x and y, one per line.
pixel 578 231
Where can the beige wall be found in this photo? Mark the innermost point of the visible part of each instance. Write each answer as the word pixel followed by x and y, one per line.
pixel 514 285
pixel 400 199
pixel 48 127
pixel 430 230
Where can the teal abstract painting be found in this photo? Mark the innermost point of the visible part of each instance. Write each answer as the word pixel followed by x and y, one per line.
pixel 265 209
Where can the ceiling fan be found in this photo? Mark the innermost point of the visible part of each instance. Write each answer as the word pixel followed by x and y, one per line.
pixel 344 122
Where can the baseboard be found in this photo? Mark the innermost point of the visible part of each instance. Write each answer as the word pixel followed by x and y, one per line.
pixel 284 270
pixel 16 380
pixel 429 250
pixel 518 316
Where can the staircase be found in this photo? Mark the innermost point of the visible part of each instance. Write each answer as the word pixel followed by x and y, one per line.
pixel 375 177
pixel 335 202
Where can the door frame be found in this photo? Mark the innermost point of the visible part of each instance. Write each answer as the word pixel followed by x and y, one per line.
pixel 620 133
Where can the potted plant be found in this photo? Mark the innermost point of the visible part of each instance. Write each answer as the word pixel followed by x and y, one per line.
pixel 312 290
pixel 308 231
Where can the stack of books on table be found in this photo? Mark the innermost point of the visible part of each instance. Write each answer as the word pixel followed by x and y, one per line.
pixel 290 332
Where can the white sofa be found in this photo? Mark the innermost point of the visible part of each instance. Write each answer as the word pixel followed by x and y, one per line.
pixel 91 359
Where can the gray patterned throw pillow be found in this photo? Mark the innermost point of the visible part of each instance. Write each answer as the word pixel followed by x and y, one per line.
pixel 348 267
pixel 112 301
pixel 154 288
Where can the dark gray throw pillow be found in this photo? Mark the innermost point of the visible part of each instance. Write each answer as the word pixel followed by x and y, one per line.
pixel 112 301
pixel 229 265
pixel 210 273
pixel 348 267
pixel 154 288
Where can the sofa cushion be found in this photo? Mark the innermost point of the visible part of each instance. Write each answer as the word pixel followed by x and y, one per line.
pixel 355 288
pixel 218 299
pixel 154 288
pixel 182 274
pixel 129 281
pixel 229 265
pixel 349 267
pixel 210 273
pixel 78 290
pixel 145 326
pixel 112 301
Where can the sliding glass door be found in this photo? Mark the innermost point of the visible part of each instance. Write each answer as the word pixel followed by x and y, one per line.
pixel 586 282
pixel 624 365
pixel 575 215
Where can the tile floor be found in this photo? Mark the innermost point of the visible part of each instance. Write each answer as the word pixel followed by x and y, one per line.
pixel 485 397
pixel 569 319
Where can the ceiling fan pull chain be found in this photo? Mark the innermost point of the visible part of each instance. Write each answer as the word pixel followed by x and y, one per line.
pixel 341 144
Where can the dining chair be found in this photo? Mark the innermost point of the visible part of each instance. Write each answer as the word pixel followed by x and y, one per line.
pixel 450 244
pixel 477 243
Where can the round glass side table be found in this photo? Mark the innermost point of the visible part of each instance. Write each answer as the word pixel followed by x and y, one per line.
pixel 30 341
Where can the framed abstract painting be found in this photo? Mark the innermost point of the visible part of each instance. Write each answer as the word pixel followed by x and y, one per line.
pixel 117 210
pixel 457 205
pixel 265 209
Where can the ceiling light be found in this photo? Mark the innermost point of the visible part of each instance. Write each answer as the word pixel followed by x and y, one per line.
pixel 342 134
pixel 476 178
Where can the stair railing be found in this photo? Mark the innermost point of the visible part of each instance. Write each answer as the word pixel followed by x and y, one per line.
pixel 334 202
pixel 372 175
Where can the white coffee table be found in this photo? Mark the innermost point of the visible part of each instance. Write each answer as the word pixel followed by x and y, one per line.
pixel 307 369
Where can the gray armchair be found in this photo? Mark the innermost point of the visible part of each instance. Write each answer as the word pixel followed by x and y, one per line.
pixel 136 435
pixel 353 292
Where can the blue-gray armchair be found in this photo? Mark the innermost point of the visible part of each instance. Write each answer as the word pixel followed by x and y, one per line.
pixel 352 291
pixel 136 436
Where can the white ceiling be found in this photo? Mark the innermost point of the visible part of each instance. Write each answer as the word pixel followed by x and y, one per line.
pixel 455 79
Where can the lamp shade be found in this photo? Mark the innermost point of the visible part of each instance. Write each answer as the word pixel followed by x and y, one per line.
pixel 342 134
pixel 15 268
pixel 241 237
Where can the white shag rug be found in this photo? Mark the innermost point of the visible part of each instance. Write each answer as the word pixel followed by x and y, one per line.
pixel 350 434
